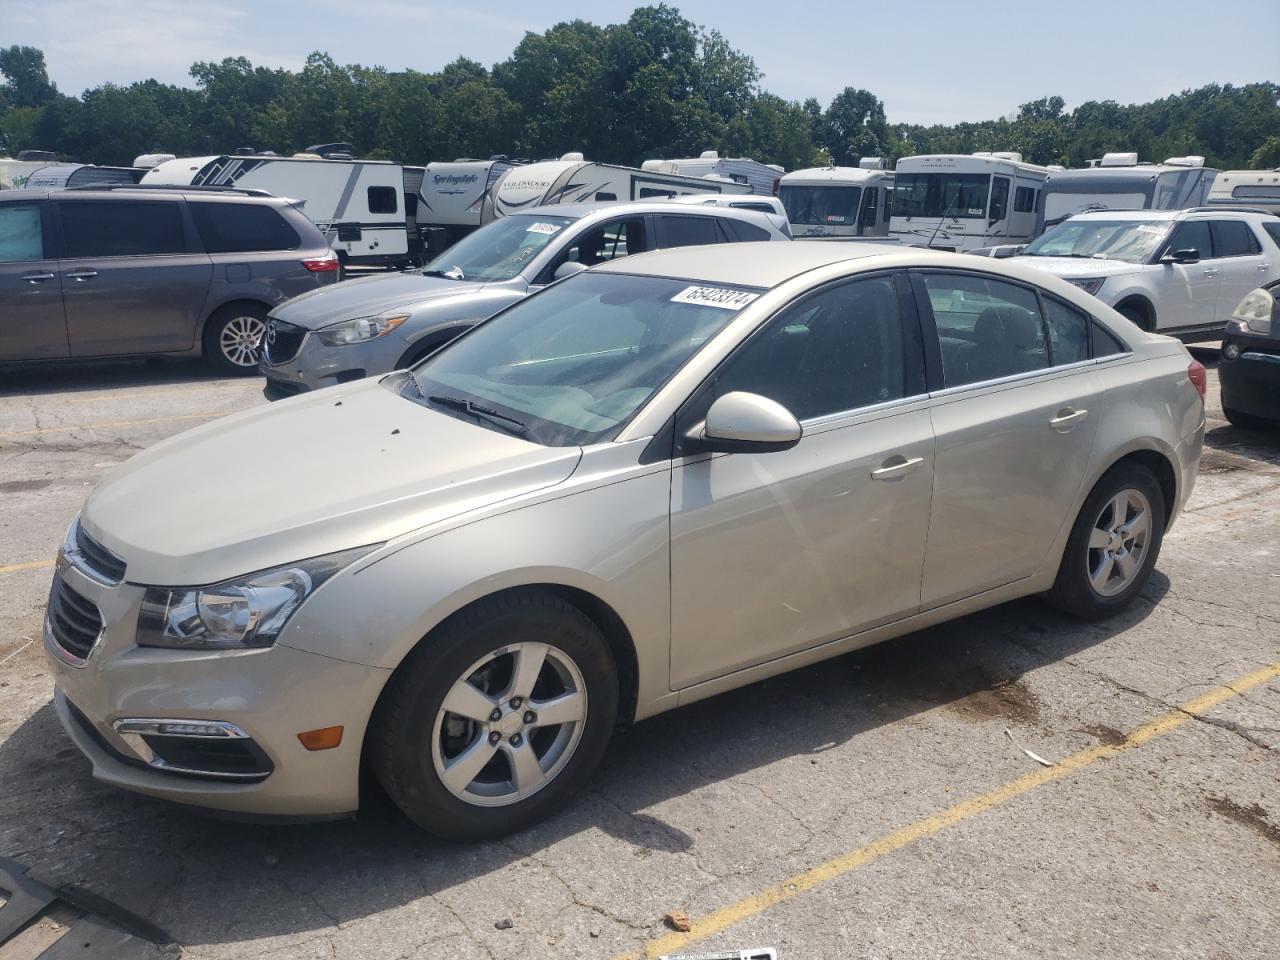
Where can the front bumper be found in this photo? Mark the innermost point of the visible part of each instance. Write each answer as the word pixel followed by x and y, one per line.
pixel 316 365
pixel 1251 382
pixel 270 695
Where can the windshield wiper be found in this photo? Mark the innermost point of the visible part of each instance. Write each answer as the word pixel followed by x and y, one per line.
pixel 480 412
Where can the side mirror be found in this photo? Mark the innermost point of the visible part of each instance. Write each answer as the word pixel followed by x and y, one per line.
pixel 1187 255
pixel 567 269
pixel 747 423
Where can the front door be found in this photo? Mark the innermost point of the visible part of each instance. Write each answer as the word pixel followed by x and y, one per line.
pixel 1189 291
pixel 134 278
pixel 32 323
pixel 774 553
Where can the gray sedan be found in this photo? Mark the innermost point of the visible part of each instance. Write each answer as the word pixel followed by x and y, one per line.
pixel 377 324
pixel 661 479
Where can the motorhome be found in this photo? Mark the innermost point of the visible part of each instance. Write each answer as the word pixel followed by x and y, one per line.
pixel 571 179
pixel 762 178
pixel 963 202
pixel 60 176
pixel 1118 181
pixel 15 171
pixel 839 201
pixel 453 197
pixel 359 205
pixel 1252 188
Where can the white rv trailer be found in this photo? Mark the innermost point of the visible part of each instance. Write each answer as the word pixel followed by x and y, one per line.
pixel 15 173
pixel 574 180
pixel 359 205
pixel 1249 188
pixel 762 178
pixel 453 197
pixel 60 176
pixel 963 202
pixel 1119 182
pixel 839 201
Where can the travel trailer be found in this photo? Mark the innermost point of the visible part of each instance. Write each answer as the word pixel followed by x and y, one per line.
pixel 453 198
pixel 762 178
pixel 839 201
pixel 15 171
pixel 60 176
pixel 1252 188
pixel 1119 182
pixel 359 205
pixel 963 202
pixel 572 179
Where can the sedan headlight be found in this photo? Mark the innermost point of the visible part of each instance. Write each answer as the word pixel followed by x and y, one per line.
pixel 360 329
pixel 249 611
pixel 1255 311
pixel 1090 285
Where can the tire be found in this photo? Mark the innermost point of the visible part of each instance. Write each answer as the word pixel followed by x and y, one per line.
pixel 1247 421
pixel 1088 585
pixel 432 343
pixel 415 741
pixel 1137 317
pixel 226 335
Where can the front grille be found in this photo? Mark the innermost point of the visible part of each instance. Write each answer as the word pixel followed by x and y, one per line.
pixel 102 561
pixel 282 342
pixel 74 621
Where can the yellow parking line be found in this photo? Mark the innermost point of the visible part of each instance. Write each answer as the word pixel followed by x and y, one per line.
pixel 29 565
pixel 792 887
pixel 110 424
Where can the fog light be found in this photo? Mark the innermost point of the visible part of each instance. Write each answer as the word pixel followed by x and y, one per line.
pixel 1231 351
pixel 326 738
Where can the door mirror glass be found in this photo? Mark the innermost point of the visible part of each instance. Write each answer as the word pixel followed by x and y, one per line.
pixel 741 422
pixel 1185 255
pixel 568 269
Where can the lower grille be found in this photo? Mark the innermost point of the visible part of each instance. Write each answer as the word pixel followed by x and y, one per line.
pixel 282 342
pixel 73 620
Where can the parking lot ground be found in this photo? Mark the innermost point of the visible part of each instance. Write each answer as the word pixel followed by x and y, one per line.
pixel 879 805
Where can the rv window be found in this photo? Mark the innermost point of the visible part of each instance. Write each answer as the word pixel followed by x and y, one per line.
pixel 1024 200
pixel 962 195
pixel 20 235
pixel 382 200
pixel 242 227
pixel 647 192
pixel 820 206
pixel 120 228
pixel 1233 238
pixel 602 195
pixel 688 231
pixel 1258 191
pixel 999 198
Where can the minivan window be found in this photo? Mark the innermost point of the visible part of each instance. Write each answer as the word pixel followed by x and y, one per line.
pixel 987 328
pixel 382 200
pixel 499 250
pixel 125 228
pixel 1233 238
pixel 688 231
pixel 242 228
pixel 21 237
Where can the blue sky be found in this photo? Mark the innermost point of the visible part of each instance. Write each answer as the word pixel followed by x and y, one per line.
pixel 929 61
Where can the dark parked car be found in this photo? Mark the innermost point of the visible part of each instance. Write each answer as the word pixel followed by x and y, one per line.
pixel 126 271
pixel 1249 370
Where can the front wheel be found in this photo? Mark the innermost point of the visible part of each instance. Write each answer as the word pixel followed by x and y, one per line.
pixel 233 337
pixel 497 718
pixel 1113 545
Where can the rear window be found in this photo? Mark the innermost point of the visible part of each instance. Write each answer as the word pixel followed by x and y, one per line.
pixel 242 228
pixel 128 228
pixel 382 199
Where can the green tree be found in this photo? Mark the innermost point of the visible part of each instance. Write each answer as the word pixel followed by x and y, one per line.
pixel 854 126
pixel 26 78
pixel 1267 156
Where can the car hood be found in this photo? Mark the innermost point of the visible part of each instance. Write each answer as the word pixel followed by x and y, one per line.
pixel 331 470
pixel 369 296
pixel 1078 267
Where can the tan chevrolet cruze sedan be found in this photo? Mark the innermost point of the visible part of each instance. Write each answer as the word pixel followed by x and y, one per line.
pixel 652 482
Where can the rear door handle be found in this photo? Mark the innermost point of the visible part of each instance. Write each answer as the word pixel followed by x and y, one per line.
pixel 1264 267
pixel 82 275
pixel 1067 418
pixel 37 277
pixel 895 467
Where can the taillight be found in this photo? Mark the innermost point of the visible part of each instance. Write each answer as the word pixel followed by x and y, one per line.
pixel 327 264
pixel 1198 377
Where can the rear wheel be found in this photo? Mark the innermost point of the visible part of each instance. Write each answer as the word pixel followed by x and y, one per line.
pixel 233 337
pixel 1247 421
pixel 1113 545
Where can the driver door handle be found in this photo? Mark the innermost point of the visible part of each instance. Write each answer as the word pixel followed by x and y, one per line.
pixel 37 277
pixel 1210 271
pixel 1067 418
pixel 895 467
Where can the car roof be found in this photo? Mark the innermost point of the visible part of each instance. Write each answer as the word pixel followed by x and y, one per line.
pixel 134 191
pixel 613 207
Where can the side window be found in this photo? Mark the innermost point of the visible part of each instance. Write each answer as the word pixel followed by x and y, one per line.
pixel 1105 343
pixel 1024 200
pixel 1233 238
pixel 743 231
pixel 649 192
pixel 382 200
pixel 121 228
pixel 870 203
pixel 688 231
pixel 242 228
pixel 609 241
pixel 1273 231
pixel 1193 235
pixel 605 195
pixel 987 328
pixel 21 237
pixel 999 198
pixel 1068 332
pixel 838 350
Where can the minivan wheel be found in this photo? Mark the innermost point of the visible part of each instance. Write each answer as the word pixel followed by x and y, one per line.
pixel 497 718
pixel 233 337
pixel 1113 545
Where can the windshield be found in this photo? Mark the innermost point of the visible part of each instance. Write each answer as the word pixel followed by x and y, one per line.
pixel 820 206
pixel 962 195
pixel 572 364
pixel 1132 242
pixel 498 251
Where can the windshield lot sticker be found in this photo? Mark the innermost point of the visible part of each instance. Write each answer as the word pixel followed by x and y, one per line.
pixel 547 228
pixel 715 297
pixel 1149 228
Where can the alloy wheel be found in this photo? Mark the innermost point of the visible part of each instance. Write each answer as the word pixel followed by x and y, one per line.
pixel 1118 542
pixel 240 340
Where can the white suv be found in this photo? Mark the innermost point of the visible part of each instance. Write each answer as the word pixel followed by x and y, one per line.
pixel 1172 271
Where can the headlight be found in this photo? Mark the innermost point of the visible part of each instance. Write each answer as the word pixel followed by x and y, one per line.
pixel 1255 311
pixel 360 329
pixel 1089 285
pixel 249 611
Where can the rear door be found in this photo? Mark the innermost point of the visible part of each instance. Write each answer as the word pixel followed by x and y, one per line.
pixel 1242 263
pixel 33 325
pixel 134 277
pixel 685 230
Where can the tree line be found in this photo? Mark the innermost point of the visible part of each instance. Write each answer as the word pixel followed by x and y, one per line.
pixel 655 86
